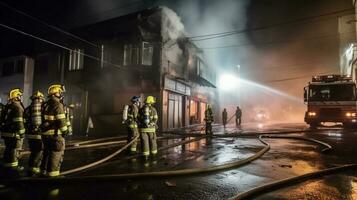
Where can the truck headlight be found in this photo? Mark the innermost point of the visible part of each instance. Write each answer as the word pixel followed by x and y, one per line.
pixel 350 114
pixel 311 114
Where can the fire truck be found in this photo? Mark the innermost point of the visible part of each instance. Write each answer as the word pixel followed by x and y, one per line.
pixel 331 98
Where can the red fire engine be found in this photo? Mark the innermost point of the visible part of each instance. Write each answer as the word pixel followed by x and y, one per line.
pixel 331 98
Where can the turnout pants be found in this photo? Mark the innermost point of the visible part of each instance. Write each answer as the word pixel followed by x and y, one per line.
pixel 208 128
pixel 238 121
pixel 224 122
pixel 11 153
pixel 132 133
pixel 53 152
pixel 36 148
pixel 148 143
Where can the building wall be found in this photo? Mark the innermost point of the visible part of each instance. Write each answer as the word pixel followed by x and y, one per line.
pixel 347 33
pixel 99 88
pixel 18 74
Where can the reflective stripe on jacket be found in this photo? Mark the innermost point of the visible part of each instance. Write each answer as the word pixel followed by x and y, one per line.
pixel 54 117
pixel 13 119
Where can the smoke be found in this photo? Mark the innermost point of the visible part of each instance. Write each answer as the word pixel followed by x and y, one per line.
pixel 263 64
pixel 172 27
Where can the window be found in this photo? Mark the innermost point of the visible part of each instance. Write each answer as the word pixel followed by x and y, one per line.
pixel 337 92
pixel 75 60
pixel 131 54
pixel 136 54
pixel 147 53
pixel 8 68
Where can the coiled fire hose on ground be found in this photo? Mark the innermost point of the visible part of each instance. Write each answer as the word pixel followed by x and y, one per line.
pixel 114 177
pixel 296 179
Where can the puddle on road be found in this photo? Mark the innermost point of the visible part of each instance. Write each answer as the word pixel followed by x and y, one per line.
pixel 332 187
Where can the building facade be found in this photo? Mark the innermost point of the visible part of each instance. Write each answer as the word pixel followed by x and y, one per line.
pixel 348 44
pixel 143 53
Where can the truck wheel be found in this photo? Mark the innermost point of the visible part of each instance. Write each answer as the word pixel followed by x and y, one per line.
pixel 313 125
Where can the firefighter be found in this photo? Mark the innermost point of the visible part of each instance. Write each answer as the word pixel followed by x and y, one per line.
pixel 1 109
pixel 33 115
pixel 209 119
pixel 238 115
pixel 147 126
pixel 130 119
pixel 69 117
pixel 224 117
pixel 13 129
pixel 54 129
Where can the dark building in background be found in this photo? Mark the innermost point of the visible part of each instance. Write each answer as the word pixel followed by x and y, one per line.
pixel 143 53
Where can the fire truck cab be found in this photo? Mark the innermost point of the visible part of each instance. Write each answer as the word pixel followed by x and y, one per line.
pixel 331 98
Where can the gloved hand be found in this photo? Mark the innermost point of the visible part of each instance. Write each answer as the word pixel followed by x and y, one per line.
pixel 45 126
pixel 65 133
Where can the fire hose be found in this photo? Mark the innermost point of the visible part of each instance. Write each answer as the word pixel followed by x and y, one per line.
pixel 283 183
pixel 114 177
pixel 73 147
pixel 167 147
pixel 101 160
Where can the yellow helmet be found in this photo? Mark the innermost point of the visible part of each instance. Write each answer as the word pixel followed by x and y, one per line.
pixel 38 95
pixel 150 100
pixel 15 93
pixel 53 89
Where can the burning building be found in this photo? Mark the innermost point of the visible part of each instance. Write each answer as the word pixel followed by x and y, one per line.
pixel 143 53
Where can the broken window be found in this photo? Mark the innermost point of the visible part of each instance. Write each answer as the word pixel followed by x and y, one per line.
pixel 75 60
pixel 147 53
pixel 131 54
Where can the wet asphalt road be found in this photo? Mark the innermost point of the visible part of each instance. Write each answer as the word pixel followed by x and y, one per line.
pixel 286 158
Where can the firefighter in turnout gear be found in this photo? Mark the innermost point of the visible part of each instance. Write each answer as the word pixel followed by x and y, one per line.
pixel 224 117
pixel 238 115
pixel 69 117
pixel 54 128
pixel 13 129
pixel 2 106
pixel 33 116
pixel 147 126
pixel 130 119
pixel 208 119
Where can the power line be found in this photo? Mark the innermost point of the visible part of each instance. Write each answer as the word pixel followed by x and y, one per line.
pixel 58 45
pixel 275 42
pixel 292 66
pixel 295 78
pixel 48 25
pixel 228 33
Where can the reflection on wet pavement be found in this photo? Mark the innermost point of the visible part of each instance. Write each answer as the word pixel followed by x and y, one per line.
pixel 286 158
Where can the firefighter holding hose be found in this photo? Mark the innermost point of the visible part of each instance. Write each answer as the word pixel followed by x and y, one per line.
pixel 147 126
pixel 130 119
